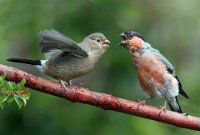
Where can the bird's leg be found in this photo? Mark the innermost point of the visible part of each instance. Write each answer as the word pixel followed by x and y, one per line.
pixel 185 114
pixel 142 102
pixel 163 108
pixel 69 82
pixel 63 85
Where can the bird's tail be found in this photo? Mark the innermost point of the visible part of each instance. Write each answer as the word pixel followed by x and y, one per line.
pixel 174 105
pixel 26 61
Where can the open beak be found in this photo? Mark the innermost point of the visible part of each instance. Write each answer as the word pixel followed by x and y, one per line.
pixel 124 39
pixel 106 44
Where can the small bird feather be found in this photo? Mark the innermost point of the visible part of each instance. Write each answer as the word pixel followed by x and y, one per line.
pixel 53 40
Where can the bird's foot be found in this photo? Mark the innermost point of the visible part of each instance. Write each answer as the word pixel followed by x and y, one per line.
pixel 185 114
pixel 69 82
pixel 141 102
pixel 163 108
pixel 63 85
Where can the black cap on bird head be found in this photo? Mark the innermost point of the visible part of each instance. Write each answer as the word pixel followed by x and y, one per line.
pixel 131 34
pixel 128 36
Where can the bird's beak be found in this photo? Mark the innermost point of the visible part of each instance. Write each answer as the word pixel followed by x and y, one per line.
pixel 106 44
pixel 124 39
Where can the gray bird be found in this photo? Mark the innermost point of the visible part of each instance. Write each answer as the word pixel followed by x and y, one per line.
pixel 66 59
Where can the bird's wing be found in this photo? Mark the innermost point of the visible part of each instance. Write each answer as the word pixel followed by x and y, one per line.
pixel 170 69
pixel 53 42
pixel 160 57
pixel 164 60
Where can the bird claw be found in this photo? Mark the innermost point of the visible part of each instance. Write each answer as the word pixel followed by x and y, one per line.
pixel 185 114
pixel 63 85
pixel 69 83
pixel 162 109
pixel 141 102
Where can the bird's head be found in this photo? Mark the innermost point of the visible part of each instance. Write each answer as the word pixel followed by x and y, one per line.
pixel 132 40
pixel 97 41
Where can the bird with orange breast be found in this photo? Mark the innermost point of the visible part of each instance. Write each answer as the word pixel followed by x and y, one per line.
pixel 156 74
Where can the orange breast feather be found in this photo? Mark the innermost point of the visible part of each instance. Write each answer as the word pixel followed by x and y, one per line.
pixel 150 73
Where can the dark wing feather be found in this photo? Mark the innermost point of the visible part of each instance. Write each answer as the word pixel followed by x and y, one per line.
pixel 170 69
pixel 53 40
pixel 181 91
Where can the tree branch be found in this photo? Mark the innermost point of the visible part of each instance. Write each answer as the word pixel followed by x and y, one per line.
pixel 76 93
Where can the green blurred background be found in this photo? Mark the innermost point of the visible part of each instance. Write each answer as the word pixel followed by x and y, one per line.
pixel 171 26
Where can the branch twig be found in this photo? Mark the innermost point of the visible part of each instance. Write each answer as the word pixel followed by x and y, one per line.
pixel 76 93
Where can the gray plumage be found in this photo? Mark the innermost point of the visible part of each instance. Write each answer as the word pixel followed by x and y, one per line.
pixel 66 59
pixel 53 40
pixel 160 57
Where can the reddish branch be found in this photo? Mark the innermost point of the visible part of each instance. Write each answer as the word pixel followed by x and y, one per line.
pixel 108 102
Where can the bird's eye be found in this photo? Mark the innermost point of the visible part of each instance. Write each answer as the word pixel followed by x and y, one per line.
pixel 98 40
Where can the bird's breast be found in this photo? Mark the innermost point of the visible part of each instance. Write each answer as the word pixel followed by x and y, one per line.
pixel 150 72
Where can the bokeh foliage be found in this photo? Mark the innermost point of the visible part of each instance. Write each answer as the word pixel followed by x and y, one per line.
pixel 171 26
